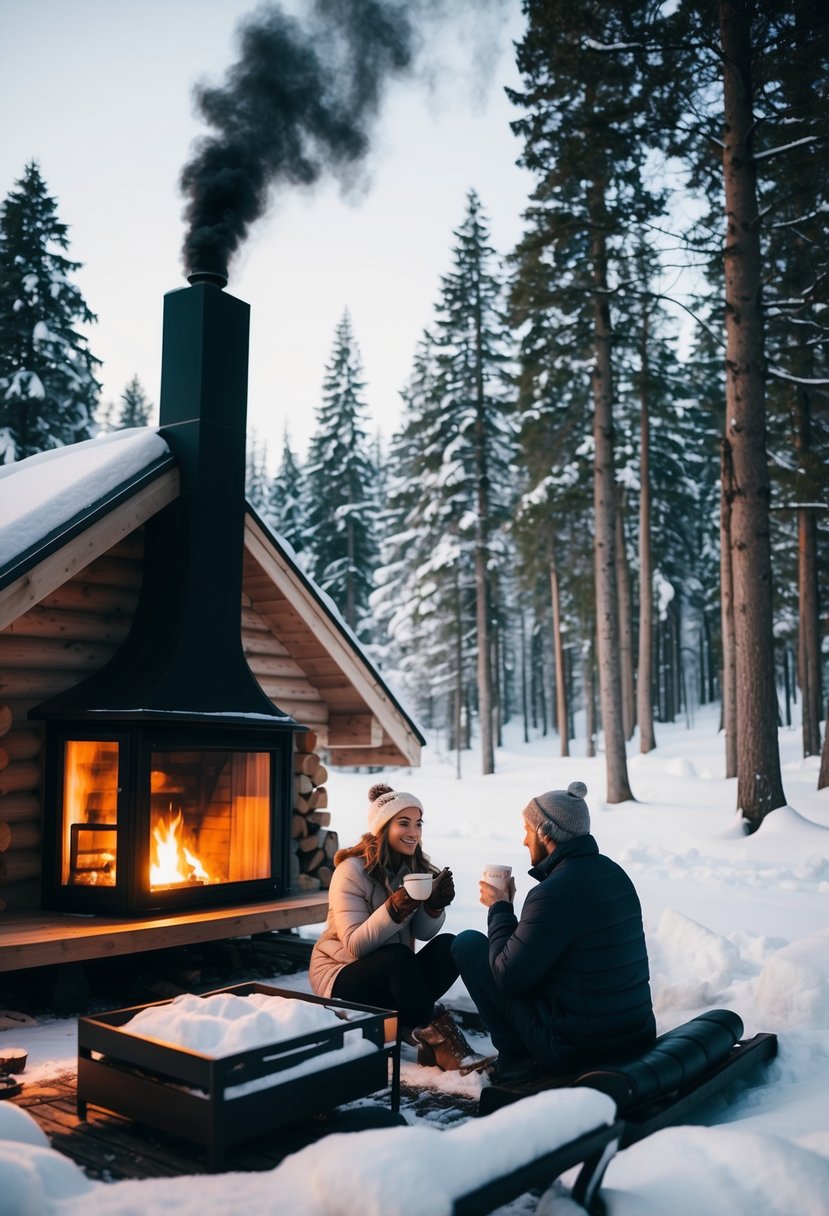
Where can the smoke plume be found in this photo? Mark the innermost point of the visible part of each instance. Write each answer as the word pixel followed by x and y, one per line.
pixel 299 103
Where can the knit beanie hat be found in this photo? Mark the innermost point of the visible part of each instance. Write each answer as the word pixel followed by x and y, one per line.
pixel 560 815
pixel 384 803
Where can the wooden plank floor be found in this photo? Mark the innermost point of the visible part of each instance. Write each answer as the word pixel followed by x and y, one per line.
pixel 40 939
pixel 110 1148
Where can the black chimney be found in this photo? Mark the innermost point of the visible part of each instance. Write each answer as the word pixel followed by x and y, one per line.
pixel 168 772
pixel 184 653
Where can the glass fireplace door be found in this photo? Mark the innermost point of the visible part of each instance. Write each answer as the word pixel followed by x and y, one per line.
pixel 210 817
pixel 90 813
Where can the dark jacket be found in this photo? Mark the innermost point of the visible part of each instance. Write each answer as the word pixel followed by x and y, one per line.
pixel 578 953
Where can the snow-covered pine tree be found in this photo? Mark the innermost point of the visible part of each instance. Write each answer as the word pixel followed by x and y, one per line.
pixel 135 406
pixel 48 390
pixel 476 401
pixel 425 598
pixel 339 475
pixel 449 493
pixel 589 130
pixel 256 473
pixel 286 510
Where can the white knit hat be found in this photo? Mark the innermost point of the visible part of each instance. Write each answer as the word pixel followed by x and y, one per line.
pixel 384 804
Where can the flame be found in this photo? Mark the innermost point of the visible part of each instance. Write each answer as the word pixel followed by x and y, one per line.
pixel 171 862
pixel 90 796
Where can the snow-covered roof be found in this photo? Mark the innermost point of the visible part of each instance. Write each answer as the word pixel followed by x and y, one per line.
pixel 47 498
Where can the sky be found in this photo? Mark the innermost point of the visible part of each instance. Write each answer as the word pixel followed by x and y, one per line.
pixel 731 922
pixel 99 92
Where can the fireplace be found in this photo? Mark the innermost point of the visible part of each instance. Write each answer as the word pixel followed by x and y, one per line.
pixel 165 817
pixel 169 771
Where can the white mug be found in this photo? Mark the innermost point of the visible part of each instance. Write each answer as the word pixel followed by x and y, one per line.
pixel 498 876
pixel 419 886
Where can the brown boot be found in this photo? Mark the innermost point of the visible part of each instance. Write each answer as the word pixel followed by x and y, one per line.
pixel 442 1044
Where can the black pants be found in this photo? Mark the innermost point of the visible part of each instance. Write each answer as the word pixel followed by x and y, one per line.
pixel 394 977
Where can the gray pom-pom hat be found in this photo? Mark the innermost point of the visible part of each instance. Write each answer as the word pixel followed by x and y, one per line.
pixel 560 815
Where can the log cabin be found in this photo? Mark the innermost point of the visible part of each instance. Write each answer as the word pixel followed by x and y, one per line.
pixel 174 689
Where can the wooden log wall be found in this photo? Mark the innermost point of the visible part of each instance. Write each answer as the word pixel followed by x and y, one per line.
pixel 314 844
pixel 71 633
pixel 68 635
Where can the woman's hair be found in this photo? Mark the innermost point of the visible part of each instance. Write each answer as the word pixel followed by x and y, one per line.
pixel 376 854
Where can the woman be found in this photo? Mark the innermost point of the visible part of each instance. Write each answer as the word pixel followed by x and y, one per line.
pixel 366 954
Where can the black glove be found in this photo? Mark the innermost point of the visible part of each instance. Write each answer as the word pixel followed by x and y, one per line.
pixel 443 892
pixel 401 905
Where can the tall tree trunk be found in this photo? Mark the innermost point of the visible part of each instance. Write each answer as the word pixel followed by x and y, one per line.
pixel 562 717
pixel 482 595
pixel 808 633
pixel 497 683
pixel 604 503
pixel 589 700
pixel 644 685
pixel 823 775
pixel 729 678
pixel 524 705
pixel 625 621
pixel 759 783
pixel 458 672
pixel 808 636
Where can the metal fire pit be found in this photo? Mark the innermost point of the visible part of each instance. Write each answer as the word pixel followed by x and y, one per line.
pixel 183 1092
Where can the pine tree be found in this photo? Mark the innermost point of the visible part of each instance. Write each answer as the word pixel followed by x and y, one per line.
pixel 473 352
pixel 286 511
pixel 48 390
pixel 256 474
pixel 135 406
pixel 588 133
pixel 339 476
pixel 759 85
pixel 425 599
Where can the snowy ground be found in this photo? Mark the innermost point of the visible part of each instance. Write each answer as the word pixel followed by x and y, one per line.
pixel 731 921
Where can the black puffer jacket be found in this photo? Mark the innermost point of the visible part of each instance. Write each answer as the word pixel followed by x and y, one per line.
pixel 578 953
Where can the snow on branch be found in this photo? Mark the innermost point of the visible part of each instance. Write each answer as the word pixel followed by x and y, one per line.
pixel 779 374
pixel 591 44
pixel 797 143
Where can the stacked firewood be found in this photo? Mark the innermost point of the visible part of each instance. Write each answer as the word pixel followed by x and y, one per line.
pixel 313 842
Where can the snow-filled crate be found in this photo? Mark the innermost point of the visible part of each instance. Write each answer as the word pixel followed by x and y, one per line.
pixel 224 1066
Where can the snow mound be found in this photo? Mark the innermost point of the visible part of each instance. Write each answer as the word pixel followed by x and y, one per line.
pixel 31 1177
pixel 793 988
pixel 690 965
pixel 788 824
pixel 719 1171
pixel 681 766
pixel 18 1125
pixel 400 1171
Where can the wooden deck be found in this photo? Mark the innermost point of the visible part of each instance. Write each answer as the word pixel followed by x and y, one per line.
pixel 110 1148
pixel 41 939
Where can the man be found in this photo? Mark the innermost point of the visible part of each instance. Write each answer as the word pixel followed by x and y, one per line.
pixel 567 984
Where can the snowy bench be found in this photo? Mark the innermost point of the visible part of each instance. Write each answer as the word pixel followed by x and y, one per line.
pixel 685 1066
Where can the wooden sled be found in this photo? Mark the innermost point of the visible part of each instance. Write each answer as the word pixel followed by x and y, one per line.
pixel 686 1066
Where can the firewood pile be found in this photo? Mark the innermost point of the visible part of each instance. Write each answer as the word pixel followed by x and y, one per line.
pixel 313 843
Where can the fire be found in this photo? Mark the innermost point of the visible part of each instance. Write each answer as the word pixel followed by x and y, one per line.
pixel 172 863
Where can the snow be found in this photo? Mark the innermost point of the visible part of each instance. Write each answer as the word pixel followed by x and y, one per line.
pixel 732 921
pixel 224 1024
pixel 44 492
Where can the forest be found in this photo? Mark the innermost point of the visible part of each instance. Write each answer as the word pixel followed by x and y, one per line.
pixel 606 503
